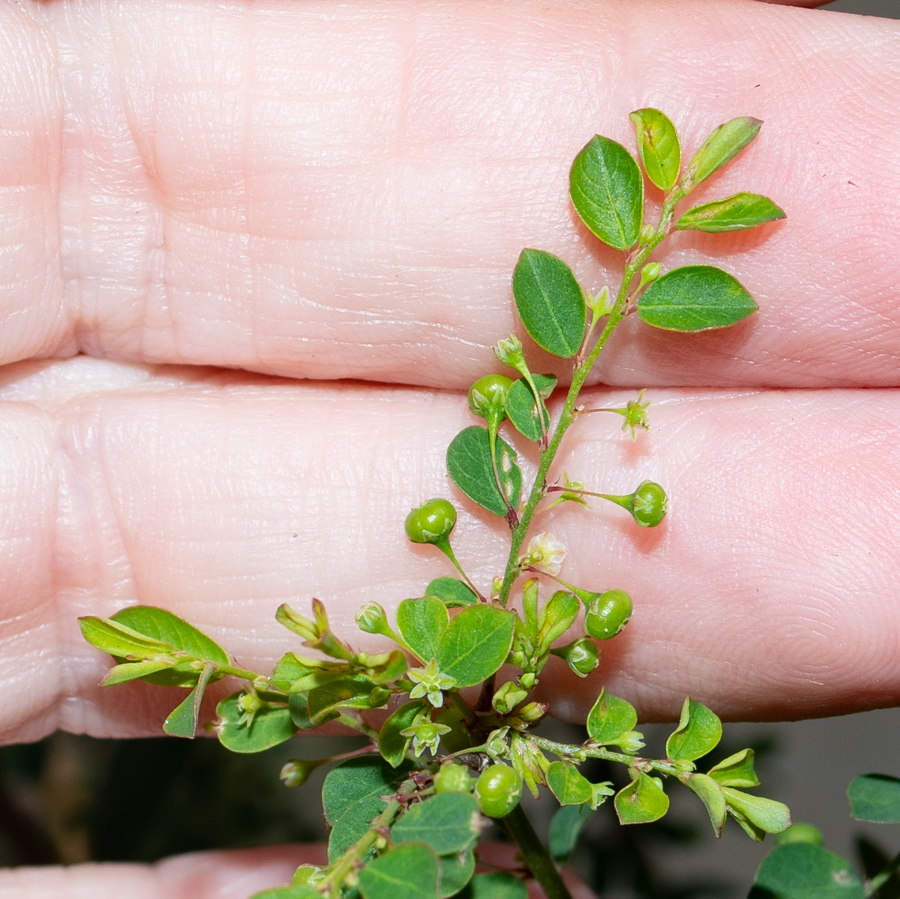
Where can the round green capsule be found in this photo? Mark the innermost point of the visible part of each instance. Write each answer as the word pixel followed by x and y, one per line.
pixel 649 504
pixel 498 790
pixel 608 614
pixel 453 778
pixel 431 522
pixel 487 396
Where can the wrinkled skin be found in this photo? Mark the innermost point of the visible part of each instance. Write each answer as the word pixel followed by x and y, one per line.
pixel 251 257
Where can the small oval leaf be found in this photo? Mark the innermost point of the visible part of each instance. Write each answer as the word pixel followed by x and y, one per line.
pixel 550 302
pixel 735 213
pixel 568 784
pixel 713 798
pixel 804 871
pixel 722 145
pixel 470 467
pixel 736 771
pixel 698 732
pixel 565 828
pixel 410 871
pixel 270 726
pixel 452 592
pixel 524 411
pixel 658 147
pixel 642 801
pixel 875 797
pixel 607 191
pixel 476 644
pixel 695 298
pixel 448 822
pixel 609 718
pixel 393 745
pixel 421 623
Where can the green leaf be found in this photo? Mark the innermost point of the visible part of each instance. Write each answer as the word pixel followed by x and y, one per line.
pixel 736 771
pixel 448 822
pixel 609 718
pixel 289 892
pixel 118 640
pixel 421 623
pixel 607 191
pixel 804 871
pixel 756 814
pixel 127 671
pixel 658 147
pixel 268 727
pixel 392 745
pixel 875 797
pixel 550 302
pixel 496 885
pixel 452 592
pixel 289 671
pixel 469 465
pixel 719 148
pixel 695 298
pixel 524 411
pixel 642 801
pixel 410 871
pixel 162 625
pixel 352 796
pixel 568 784
pixel 713 798
pixel 736 213
pixel 182 721
pixel 355 691
pixel 476 644
pixel 698 732
pixel 565 828
pixel 456 872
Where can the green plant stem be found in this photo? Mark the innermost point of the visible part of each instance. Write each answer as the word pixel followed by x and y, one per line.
pixel 534 854
pixel 580 753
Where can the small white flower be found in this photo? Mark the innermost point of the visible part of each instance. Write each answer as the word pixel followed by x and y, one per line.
pixel 545 553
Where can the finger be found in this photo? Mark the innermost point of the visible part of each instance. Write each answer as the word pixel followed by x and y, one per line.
pixel 770 590
pixel 336 196
pixel 234 874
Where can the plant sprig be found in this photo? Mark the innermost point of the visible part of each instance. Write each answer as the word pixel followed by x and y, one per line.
pixel 407 810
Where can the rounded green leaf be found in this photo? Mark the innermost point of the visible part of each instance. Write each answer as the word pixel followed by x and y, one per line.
pixel 410 871
pixel 698 732
pixel 736 213
pixel 290 892
pixel 421 623
pixel 496 885
pixel 875 797
pixel 550 302
pixel 448 822
pixel 713 798
pixel 476 644
pixel 609 718
pixel 642 801
pixel 393 745
pixel 524 411
pixel 452 592
pixel 470 467
pixel 565 828
pixel 353 794
pixel 756 814
pixel 804 871
pixel 456 872
pixel 352 691
pixel 658 147
pixel 722 145
pixel 695 298
pixel 568 784
pixel 607 191
pixel 270 726
pixel 736 771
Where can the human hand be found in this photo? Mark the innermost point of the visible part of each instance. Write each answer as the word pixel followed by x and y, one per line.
pixel 197 199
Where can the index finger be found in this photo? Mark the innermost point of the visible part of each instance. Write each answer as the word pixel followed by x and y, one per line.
pixel 345 195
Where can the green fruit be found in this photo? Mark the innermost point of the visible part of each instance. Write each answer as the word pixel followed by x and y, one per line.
pixel 487 396
pixel 608 614
pixel 498 790
pixel 648 504
pixel 582 656
pixel 453 779
pixel 431 522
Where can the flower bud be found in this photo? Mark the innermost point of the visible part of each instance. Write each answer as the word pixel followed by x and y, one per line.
pixel 372 619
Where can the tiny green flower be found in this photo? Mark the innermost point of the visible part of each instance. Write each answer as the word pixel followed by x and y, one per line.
pixel 425 733
pixel 430 682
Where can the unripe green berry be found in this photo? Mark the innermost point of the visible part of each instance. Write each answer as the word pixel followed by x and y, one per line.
pixel 608 614
pixel 582 656
pixel 498 790
pixel 431 522
pixel 648 504
pixel 487 396
pixel 453 778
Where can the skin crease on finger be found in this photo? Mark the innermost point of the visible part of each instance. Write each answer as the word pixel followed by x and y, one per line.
pixel 270 188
